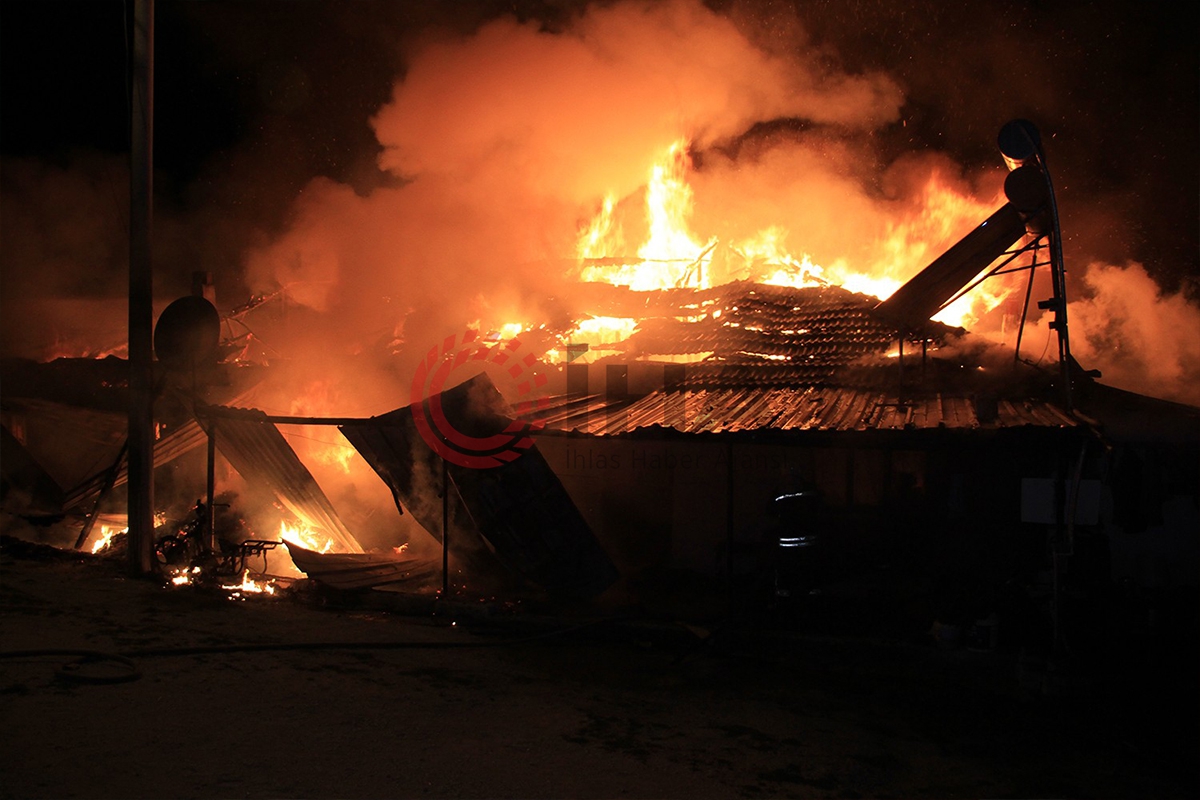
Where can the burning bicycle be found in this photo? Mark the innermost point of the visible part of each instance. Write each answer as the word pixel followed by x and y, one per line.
pixel 187 552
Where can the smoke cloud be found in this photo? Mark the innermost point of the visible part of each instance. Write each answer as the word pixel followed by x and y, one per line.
pixel 1138 335
pixel 505 142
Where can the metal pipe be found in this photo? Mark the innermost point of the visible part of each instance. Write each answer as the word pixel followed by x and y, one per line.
pixel 1021 145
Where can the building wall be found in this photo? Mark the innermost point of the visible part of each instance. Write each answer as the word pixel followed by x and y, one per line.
pixel 665 503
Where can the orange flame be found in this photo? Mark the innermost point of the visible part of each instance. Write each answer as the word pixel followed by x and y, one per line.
pixel 672 256
pixel 107 532
pixel 249 586
pixel 305 536
pixel 323 444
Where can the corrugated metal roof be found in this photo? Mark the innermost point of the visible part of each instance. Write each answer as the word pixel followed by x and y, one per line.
pixel 362 570
pixel 818 408
pixel 258 451
pixel 796 358
pixel 178 442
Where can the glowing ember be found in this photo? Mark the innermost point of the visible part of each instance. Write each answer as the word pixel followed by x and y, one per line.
pixel 183 576
pixel 250 586
pixel 591 334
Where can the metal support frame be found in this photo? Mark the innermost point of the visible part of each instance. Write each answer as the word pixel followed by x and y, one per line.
pixel 1021 145
pixel 1057 303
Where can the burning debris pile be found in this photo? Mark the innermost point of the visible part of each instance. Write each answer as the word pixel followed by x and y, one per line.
pixel 805 333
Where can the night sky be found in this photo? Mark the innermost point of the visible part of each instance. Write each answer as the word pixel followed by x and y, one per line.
pixel 254 99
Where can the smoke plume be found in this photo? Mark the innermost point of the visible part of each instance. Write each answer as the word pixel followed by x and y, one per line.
pixel 1138 335
pixel 500 144
pixel 507 140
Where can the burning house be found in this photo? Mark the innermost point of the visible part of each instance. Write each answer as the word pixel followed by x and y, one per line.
pixel 659 402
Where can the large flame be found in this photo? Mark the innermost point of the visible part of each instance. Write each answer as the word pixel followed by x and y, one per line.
pixel 673 256
pixel 107 533
pixel 299 533
pixel 323 444
pixel 670 256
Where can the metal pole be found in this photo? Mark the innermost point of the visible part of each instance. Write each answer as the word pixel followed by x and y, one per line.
pixel 141 306
pixel 445 531
pixel 1025 308
pixel 1060 296
pixel 1058 272
pixel 210 532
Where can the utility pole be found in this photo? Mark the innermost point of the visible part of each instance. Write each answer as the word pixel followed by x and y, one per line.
pixel 141 291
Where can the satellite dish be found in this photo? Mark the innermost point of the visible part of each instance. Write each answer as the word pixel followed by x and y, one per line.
pixel 188 332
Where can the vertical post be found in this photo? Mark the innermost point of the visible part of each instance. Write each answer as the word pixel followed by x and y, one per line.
pixel 210 533
pixel 141 307
pixel 445 530
pixel 1060 297
pixel 729 521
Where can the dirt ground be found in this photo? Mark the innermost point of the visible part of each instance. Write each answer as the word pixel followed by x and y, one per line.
pixel 453 705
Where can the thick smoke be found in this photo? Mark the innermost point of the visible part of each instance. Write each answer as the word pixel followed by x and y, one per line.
pixel 1137 335
pixel 501 143
pixel 508 139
